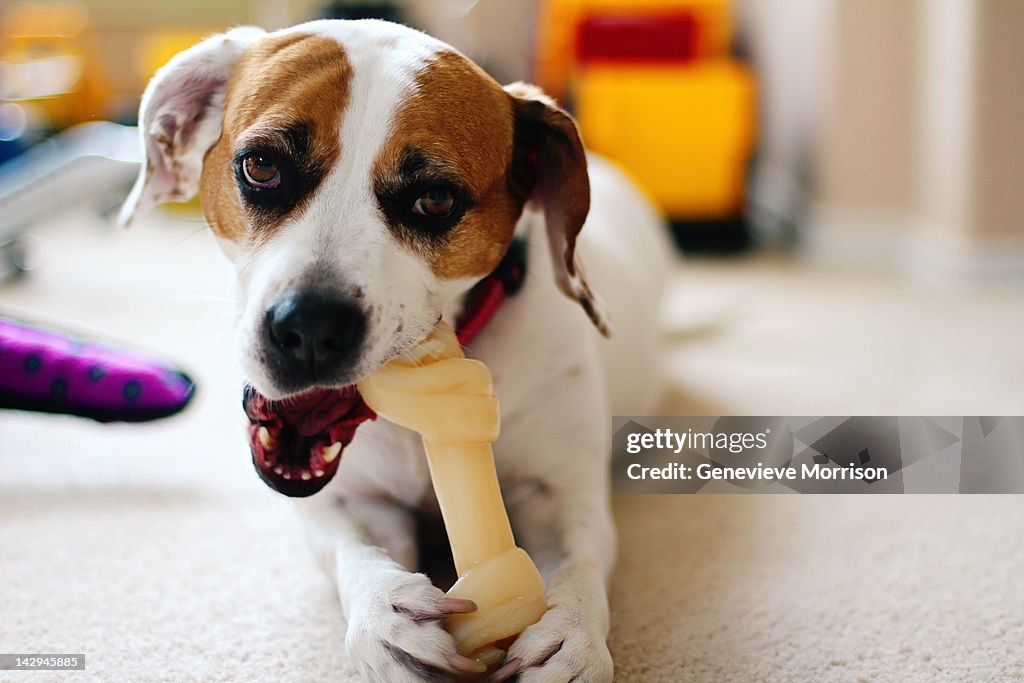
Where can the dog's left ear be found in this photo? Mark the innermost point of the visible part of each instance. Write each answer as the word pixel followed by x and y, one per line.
pixel 550 167
pixel 180 119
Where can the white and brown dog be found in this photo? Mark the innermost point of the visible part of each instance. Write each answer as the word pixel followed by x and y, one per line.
pixel 364 177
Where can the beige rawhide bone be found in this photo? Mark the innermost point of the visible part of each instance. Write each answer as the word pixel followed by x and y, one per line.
pixel 450 401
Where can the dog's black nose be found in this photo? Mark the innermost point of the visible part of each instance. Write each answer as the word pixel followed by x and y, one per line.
pixel 313 333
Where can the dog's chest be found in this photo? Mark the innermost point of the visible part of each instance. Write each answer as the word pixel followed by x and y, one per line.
pixel 384 460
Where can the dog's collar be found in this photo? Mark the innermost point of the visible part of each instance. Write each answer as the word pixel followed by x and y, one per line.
pixel 486 297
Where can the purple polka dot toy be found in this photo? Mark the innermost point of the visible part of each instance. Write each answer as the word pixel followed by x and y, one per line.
pixel 54 372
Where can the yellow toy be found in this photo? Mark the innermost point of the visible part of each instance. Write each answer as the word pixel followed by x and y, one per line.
pixel 684 132
pixel 559 19
pixel 656 90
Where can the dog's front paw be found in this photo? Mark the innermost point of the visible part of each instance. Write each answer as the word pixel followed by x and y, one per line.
pixel 395 633
pixel 558 648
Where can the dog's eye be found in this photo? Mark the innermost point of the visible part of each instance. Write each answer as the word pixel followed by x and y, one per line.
pixel 260 171
pixel 436 202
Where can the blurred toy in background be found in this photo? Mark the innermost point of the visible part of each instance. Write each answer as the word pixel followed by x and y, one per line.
pixel 88 164
pixel 58 152
pixel 51 81
pixel 691 29
pixel 655 88
pixel 53 372
pixel 49 63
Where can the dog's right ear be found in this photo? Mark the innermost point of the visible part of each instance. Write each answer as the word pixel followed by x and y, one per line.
pixel 180 119
pixel 553 165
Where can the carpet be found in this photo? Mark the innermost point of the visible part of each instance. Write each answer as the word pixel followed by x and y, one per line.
pixel 154 550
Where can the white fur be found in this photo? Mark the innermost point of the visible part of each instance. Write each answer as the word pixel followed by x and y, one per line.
pixel 557 380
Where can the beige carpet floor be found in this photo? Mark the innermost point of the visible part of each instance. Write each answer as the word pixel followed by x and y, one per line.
pixel 155 551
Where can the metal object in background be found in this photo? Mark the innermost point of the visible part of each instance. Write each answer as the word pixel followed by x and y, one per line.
pixel 80 166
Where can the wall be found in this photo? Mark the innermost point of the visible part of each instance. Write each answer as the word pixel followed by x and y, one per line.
pixel 868 149
pixel 920 161
pixel 997 187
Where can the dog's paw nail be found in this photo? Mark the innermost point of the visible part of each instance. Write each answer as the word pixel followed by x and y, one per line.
pixel 457 606
pixel 508 669
pixel 460 663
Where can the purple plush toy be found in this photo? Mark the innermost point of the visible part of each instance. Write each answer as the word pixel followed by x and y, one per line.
pixel 53 372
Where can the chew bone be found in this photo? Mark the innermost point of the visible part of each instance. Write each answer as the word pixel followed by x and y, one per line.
pixel 449 400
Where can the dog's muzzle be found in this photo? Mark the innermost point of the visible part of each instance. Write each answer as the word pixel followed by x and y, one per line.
pixel 311 340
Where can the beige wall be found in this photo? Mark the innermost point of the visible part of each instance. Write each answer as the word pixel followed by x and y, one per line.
pixel 997 187
pixel 868 149
pixel 920 148
pixel 496 33
pixel 945 128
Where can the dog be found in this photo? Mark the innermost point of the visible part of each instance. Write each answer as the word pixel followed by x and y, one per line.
pixel 364 178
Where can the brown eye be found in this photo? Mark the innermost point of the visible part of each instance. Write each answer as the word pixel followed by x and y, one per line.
pixel 437 202
pixel 261 172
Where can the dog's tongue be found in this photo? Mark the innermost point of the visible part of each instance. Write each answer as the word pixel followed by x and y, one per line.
pixel 296 443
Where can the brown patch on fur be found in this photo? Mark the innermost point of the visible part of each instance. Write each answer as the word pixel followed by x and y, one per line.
pixel 291 81
pixel 461 117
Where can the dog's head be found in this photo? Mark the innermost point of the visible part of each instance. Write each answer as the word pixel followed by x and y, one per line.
pixel 362 176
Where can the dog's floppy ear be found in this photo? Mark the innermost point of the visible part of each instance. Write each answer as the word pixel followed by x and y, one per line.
pixel 551 167
pixel 180 119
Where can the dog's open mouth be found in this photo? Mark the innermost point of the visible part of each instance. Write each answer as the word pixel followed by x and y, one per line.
pixel 296 443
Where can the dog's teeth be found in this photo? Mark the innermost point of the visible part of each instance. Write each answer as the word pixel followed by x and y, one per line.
pixel 319 473
pixel 306 476
pixel 266 440
pixel 287 475
pixel 278 470
pixel 331 452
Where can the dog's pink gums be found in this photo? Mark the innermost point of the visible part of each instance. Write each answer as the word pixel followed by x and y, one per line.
pixel 296 443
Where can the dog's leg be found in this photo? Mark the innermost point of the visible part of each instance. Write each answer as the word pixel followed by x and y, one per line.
pixel 394 616
pixel 562 517
pixel 575 556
